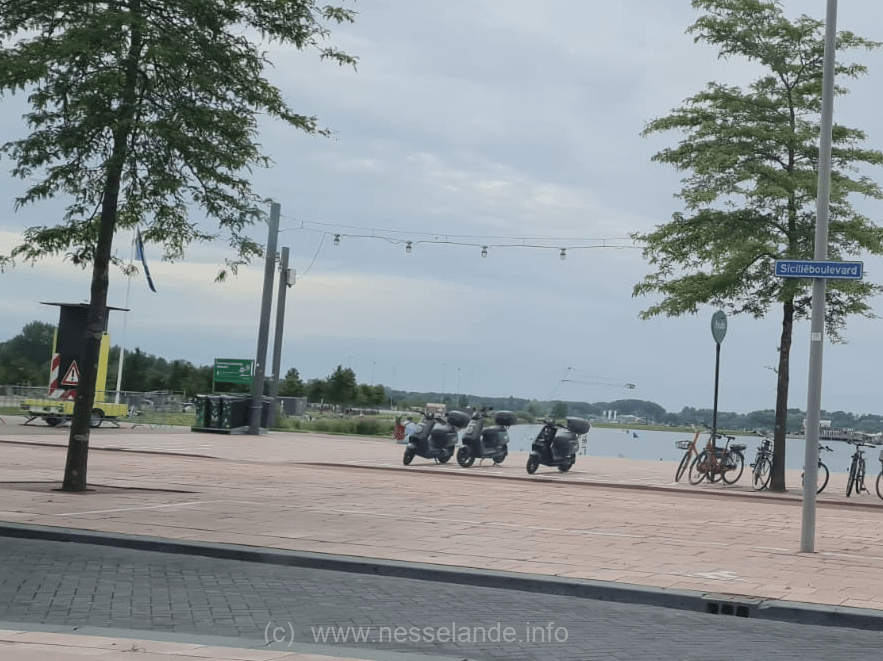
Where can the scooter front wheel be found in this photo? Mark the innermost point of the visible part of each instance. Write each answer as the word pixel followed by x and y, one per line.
pixel 533 462
pixel 409 456
pixel 465 457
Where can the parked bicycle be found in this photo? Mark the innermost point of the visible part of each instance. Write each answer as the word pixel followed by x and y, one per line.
pixel 762 467
pixel 856 480
pixel 880 477
pixel 691 451
pixel 718 463
pixel 823 474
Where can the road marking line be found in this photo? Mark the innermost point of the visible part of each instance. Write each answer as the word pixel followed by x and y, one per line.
pixel 145 507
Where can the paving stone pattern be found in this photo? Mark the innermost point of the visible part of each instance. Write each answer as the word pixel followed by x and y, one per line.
pixel 84 585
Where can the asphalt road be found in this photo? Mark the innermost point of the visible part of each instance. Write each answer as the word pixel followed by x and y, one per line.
pixel 263 605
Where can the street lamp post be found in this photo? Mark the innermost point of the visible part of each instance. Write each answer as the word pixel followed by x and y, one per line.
pixel 257 386
pixel 817 323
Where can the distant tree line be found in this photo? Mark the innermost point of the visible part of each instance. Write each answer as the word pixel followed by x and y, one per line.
pixel 24 361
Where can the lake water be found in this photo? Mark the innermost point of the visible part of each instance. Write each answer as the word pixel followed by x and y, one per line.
pixel 660 446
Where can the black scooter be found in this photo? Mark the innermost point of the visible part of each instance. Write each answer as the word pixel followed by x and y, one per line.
pixel 435 437
pixel 557 445
pixel 481 441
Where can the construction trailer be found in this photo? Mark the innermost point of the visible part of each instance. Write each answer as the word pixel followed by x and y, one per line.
pixel 68 347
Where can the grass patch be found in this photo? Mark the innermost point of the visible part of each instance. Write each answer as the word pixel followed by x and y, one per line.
pixel 373 426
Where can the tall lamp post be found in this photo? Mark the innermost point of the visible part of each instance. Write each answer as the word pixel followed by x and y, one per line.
pixel 817 323
pixel 257 385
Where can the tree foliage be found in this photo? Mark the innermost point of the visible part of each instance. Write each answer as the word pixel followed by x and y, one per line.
pixel 25 359
pixel 142 110
pixel 291 385
pixel 750 158
pixel 166 95
pixel 341 387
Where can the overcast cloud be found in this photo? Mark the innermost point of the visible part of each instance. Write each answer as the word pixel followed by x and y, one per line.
pixel 488 122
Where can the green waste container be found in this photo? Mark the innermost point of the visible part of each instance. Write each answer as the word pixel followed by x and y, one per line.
pixel 203 411
pixel 214 416
pixel 234 412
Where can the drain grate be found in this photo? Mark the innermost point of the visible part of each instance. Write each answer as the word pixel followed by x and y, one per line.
pixel 728 608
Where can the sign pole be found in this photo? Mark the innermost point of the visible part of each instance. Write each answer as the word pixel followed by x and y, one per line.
pixel 717 368
pixel 718 331
pixel 817 324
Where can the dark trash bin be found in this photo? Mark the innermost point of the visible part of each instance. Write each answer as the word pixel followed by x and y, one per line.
pixel 235 412
pixel 215 405
pixel 203 411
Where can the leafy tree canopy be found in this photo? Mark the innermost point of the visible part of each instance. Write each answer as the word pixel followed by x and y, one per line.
pixel 140 110
pixel 750 158
pixel 163 95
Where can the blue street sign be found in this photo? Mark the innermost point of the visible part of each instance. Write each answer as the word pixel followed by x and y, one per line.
pixel 809 268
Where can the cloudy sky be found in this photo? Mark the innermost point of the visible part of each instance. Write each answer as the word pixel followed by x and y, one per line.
pixel 513 124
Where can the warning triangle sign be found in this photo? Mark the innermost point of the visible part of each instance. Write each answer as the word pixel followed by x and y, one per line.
pixel 72 377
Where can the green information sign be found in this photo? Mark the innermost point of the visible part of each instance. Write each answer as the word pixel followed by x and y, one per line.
pixel 233 370
pixel 718 326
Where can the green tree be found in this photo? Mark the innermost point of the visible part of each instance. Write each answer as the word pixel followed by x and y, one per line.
pixel 25 359
pixel 364 395
pixel 316 389
pixel 136 365
pixel 341 386
pixel 139 111
pixel 751 158
pixel 291 385
pixel 377 395
pixel 559 410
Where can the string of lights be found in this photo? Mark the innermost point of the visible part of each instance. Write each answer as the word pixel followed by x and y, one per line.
pixel 412 238
pixel 589 379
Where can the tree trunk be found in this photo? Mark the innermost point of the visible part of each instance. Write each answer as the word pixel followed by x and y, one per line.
pixel 777 478
pixel 96 322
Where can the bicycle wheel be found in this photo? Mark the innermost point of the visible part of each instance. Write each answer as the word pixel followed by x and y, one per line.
pixel 850 481
pixel 880 484
pixel 734 464
pixel 683 466
pixel 697 474
pixel 763 471
pixel 823 477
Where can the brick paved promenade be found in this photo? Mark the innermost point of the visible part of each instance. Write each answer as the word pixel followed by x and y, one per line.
pixel 618 522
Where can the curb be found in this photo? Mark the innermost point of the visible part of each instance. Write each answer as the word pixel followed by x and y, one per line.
pixel 714 603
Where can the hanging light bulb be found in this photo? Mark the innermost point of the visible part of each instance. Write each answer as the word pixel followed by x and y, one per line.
pixel 563 254
pixel 407 246
pixel 484 251
pixel 337 239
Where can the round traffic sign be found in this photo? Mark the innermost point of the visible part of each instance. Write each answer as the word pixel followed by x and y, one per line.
pixel 718 326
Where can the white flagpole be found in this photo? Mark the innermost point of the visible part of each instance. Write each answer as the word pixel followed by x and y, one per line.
pixel 125 318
